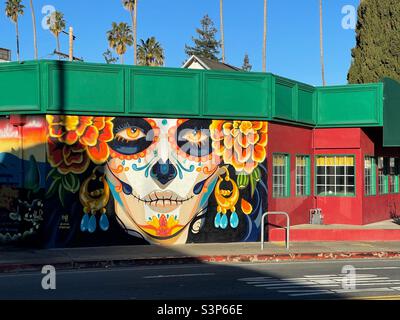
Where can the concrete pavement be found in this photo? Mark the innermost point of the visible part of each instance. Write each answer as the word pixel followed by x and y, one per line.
pixel 19 259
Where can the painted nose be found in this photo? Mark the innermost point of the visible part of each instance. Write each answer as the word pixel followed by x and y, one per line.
pixel 164 173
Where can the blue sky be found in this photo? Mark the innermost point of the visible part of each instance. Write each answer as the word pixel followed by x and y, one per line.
pixel 293 38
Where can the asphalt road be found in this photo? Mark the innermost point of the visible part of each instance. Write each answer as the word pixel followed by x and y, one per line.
pixel 295 280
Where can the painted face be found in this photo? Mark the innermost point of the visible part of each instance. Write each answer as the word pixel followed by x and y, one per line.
pixel 161 174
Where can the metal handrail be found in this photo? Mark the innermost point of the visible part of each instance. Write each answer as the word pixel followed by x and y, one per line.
pixel 287 227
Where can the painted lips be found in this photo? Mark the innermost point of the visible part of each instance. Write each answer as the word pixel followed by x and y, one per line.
pixel 164 201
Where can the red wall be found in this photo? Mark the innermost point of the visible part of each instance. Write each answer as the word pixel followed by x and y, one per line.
pixel 379 207
pixel 341 141
pixel 356 210
pixel 294 141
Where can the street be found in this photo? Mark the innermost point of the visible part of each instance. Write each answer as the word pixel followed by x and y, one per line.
pixel 293 280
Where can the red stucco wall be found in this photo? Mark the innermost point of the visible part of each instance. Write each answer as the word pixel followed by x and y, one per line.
pixel 294 141
pixel 379 207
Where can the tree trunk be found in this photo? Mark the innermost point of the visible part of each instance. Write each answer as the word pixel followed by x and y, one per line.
pixel 17 33
pixel 34 30
pixel 321 42
pixel 58 45
pixel 265 36
pixel 135 33
pixel 121 58
pixel 221 13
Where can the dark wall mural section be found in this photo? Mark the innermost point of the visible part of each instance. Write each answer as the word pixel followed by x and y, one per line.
pixel 87 181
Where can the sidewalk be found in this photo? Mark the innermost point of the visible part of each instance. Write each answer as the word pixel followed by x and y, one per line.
pixel 14 260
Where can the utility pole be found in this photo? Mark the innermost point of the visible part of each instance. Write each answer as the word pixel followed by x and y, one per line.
pixel 71 44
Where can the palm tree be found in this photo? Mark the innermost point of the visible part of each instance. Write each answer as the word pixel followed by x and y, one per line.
pixel 34 29
pixel 131 6
pixel 57 25
pixel 119 38
pixel 265 36
pixel 150 53
pixel 321 42
pixel 221 14
pixel 14 8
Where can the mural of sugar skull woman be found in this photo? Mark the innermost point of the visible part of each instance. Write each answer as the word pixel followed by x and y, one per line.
pixel 170 181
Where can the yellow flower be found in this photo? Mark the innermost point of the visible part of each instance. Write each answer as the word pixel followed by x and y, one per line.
pixel 241 144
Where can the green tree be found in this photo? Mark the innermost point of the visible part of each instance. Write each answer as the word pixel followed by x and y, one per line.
pixel 56 23
pixel 34 29
pixel 14 9
pixel 131 6
pixel 150 53
pixel 206 45
pixel 109 57
pixel 377 51
pixel 246 63
pixel 120 38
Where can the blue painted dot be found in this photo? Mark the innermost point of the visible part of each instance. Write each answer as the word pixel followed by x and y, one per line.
pixel 164 122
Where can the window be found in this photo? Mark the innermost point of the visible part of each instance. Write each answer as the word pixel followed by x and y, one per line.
pixel 393 184
pixel 335 176
pixel 281 176
pixel 393 176
pixel 302 176
pixel 370 176
pixel 383 182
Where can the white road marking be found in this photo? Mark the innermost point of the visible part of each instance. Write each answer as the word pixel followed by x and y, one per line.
pixel 379 268
pixel 311 285
pixel 180 275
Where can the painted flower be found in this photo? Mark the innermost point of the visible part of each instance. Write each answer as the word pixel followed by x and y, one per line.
pixel 67 159
pixel 163 226
pixel 75 140
pixel 241 144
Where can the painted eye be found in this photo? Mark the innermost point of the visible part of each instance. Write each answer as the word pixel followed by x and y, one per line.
pixel 130 134
pixel 196 137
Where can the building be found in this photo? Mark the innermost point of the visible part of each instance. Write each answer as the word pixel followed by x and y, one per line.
pixel 200 63
pixel 5 55
pixel 95 154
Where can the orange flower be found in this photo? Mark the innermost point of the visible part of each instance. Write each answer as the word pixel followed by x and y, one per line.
pixel 80 138
pixel 241 144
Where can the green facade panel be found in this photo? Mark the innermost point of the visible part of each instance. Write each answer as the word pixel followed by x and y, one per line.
pixel 285 99
pixel 172 92
pixel 391 115
pixel 350 106
pixel 75 88
pixel 19 88
pixel 60 87
pixel 244 95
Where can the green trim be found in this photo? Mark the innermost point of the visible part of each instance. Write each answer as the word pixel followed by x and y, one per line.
pixel 349 195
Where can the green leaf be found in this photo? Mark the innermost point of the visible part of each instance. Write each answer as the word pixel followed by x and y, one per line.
pixel 256 174
pixel 53 189
pixel 54 174
pixel 71 183
pixel 61 194
pixel 243 180
pixel 253 184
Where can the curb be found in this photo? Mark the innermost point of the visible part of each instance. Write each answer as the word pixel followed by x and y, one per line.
pixel 244 258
